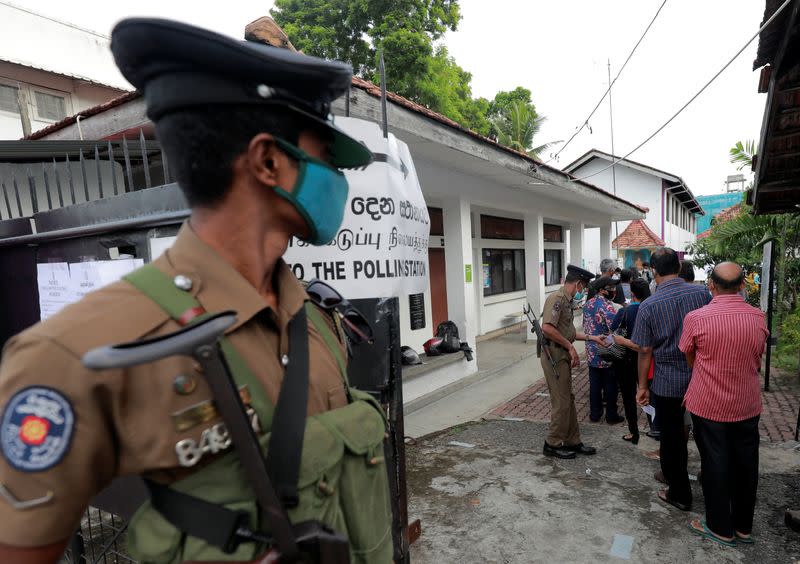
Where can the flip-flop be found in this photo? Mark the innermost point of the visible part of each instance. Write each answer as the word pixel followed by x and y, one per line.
pixel 745 539
pixel 663 495
pixel 631 438
pixel 708 534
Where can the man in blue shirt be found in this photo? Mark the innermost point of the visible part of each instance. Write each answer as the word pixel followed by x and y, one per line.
pixel 658 330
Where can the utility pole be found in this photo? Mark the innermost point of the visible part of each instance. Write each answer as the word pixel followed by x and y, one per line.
pixel 24 110
pixel 613 153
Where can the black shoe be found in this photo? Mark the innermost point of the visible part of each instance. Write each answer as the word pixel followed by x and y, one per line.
pixel 581 448
pixel 654 435
pixel 614 420
pixel 558 452
pixel 792 520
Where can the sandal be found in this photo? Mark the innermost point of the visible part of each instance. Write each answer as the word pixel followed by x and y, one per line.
pixel 631 438
pixel 699 527
pixel 744 539
pixel 663 495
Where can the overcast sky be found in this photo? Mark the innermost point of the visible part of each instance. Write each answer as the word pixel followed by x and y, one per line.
pixel 559 50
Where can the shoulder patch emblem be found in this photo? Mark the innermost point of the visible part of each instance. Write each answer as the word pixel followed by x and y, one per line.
pixel 36 429
pixel 557 306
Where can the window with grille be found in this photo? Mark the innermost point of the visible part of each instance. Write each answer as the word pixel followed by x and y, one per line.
pixel 50 107
pixel 9 101
pixel 503 271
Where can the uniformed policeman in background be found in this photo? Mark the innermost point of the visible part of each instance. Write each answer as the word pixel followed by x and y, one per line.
pixel 564 438
pixel 248 132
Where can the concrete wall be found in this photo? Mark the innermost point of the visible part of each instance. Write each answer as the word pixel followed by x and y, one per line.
pixel 441 185
pixel 416 338
pixel 78 95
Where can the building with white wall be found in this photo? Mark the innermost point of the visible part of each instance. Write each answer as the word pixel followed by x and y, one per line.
pixel 503 225
pixel 672 208
pixel 50 70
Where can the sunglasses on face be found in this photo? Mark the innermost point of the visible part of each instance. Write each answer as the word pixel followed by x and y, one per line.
pixel 354 323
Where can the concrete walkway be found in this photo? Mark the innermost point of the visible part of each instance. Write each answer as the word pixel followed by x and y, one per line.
pixel 485 493
pixel 507 365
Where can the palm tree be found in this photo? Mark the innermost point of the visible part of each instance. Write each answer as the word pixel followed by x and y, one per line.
pixel 743 153
pixel 517 126
pixel 750 231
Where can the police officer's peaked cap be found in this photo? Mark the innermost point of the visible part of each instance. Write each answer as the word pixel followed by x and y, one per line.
pixel 180 66
pixel 581 272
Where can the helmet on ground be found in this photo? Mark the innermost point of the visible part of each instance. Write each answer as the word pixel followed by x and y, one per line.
pixel 409 356
pixel 432 346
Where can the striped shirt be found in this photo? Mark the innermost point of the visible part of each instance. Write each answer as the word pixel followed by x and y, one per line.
pixel 659 324
pixel 728 337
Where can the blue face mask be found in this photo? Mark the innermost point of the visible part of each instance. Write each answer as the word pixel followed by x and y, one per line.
pixel 579 296
pixel 319 194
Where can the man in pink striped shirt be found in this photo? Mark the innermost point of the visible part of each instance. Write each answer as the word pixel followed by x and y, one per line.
pixel 723 343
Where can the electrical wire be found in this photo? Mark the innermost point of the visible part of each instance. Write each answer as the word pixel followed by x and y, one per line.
pixel 693 98
pixel 586 121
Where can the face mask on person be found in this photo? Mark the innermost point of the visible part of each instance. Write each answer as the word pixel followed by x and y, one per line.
pixel 579 295
pixel 615 277
pixel 319 195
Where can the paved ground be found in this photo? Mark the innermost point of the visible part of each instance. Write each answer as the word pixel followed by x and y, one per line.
pixel 777 423
pixel 503 501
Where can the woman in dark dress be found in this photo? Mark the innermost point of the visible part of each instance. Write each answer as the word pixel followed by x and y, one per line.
pixel 626 369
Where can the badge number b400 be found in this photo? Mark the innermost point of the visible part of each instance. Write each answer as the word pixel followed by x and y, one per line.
pixel 213 440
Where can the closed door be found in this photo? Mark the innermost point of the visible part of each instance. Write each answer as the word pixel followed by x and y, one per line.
pixel 436 269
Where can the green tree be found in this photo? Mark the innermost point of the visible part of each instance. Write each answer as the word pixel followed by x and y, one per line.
pixel 355 30
pixel 504 99
pixel 517 126
pixel 445 87
pixel 743 154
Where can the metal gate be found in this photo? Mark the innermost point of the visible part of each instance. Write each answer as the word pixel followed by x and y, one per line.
pixel 75 201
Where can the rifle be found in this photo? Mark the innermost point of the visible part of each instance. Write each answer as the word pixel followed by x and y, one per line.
pixel 541 340
pixel 310 541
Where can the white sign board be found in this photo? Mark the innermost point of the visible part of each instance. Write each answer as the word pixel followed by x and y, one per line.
pixel 766 283
pixel 381 249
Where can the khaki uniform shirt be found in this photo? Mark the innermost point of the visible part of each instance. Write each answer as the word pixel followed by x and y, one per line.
pixel 123 419
pixel 558 313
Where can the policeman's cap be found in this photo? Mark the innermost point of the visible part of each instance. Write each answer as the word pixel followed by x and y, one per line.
pixel 584 274
pixel 179 66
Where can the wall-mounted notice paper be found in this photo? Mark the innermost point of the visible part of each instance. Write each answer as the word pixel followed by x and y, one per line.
pixel 55 290
pixel 61 284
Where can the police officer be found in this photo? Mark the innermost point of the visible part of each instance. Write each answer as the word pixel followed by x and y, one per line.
pixel 563 439
pixel 248 132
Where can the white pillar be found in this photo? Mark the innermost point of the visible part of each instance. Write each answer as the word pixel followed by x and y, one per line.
pixel 605 242
pixel 534 262
pixel 461 302
pixel 576 244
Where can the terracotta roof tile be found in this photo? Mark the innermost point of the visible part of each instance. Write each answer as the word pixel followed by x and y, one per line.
pixel 637 236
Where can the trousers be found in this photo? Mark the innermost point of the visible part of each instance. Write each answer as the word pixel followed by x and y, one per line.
pixel 674 453
pixel 602 393
pixel 729 458
pixel 627 378
pixel 563 415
